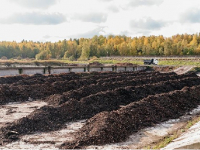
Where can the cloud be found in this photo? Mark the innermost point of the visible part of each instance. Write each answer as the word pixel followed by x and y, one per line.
pixel 46 36
pixel 35 18
pixel 91 17
pixel 147 24
pixel 143 33
pixel 126 32
pixel 34 3
pixel 135 3
pixel 113 8
pixel 191 16
pixel 89 34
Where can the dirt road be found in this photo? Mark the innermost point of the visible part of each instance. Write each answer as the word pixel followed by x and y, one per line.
pixel 183 69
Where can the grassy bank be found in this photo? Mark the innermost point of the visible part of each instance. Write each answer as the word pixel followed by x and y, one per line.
pixel 9 63
pixel 161 62
pixel 179 62
pixel 100 60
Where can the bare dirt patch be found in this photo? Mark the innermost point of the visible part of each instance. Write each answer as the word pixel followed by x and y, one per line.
pixel 15 111
pixel 50 140
pixel 164 68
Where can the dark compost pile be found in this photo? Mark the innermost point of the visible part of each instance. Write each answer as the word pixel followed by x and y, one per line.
pixel 116 104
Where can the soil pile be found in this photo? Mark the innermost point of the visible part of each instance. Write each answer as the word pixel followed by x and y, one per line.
pixel 116 126
pixel 46 118
pixel 12 79
pixel 118 102
pixel 50 118
pixel 42 86
pixel 109 84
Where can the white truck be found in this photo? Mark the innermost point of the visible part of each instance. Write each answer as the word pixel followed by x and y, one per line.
pixel 150 61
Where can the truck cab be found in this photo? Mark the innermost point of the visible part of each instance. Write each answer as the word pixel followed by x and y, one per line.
pixel 155 61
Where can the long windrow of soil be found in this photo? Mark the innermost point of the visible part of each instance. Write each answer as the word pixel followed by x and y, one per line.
pixel 116 126
pixel 50 118
pixel 12 79
pixel 32 86
pixel 87 90
pixel 40 79
pixel 17 93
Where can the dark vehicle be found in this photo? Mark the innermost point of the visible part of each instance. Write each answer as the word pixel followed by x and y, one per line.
pixel 151 61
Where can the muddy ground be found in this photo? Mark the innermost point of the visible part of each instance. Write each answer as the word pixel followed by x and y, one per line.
pixel 111 105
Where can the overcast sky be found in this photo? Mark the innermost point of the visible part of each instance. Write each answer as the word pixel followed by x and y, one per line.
pixel 53 20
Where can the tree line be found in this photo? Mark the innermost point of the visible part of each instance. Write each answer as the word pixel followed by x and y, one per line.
pixel 100 46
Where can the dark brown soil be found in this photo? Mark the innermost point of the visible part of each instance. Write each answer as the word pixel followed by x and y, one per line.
pixel 12 79
pixel 39 86
pixel 116 126
pixel 115 104
pixel 110 84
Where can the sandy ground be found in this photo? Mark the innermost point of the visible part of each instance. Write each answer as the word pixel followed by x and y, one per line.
pixel 15 111
pixel 50 140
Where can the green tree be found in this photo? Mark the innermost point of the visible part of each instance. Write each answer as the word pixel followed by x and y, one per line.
pixel 43 55
pixel 85 54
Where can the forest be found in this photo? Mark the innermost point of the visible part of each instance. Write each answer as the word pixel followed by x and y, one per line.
pixel 101 46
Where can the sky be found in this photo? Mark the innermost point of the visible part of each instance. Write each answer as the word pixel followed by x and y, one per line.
pixel 54 20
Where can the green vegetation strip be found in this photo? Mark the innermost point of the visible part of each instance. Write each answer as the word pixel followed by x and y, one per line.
pixel 62 62
pixel 179 62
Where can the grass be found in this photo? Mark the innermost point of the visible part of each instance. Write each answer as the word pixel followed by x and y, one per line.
pixel 161 62
pixel 195 69
pixel 108 61
pixel 119 61
pixel 100 60
pixel 64 62
pixel 165 141
pixel 179 62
